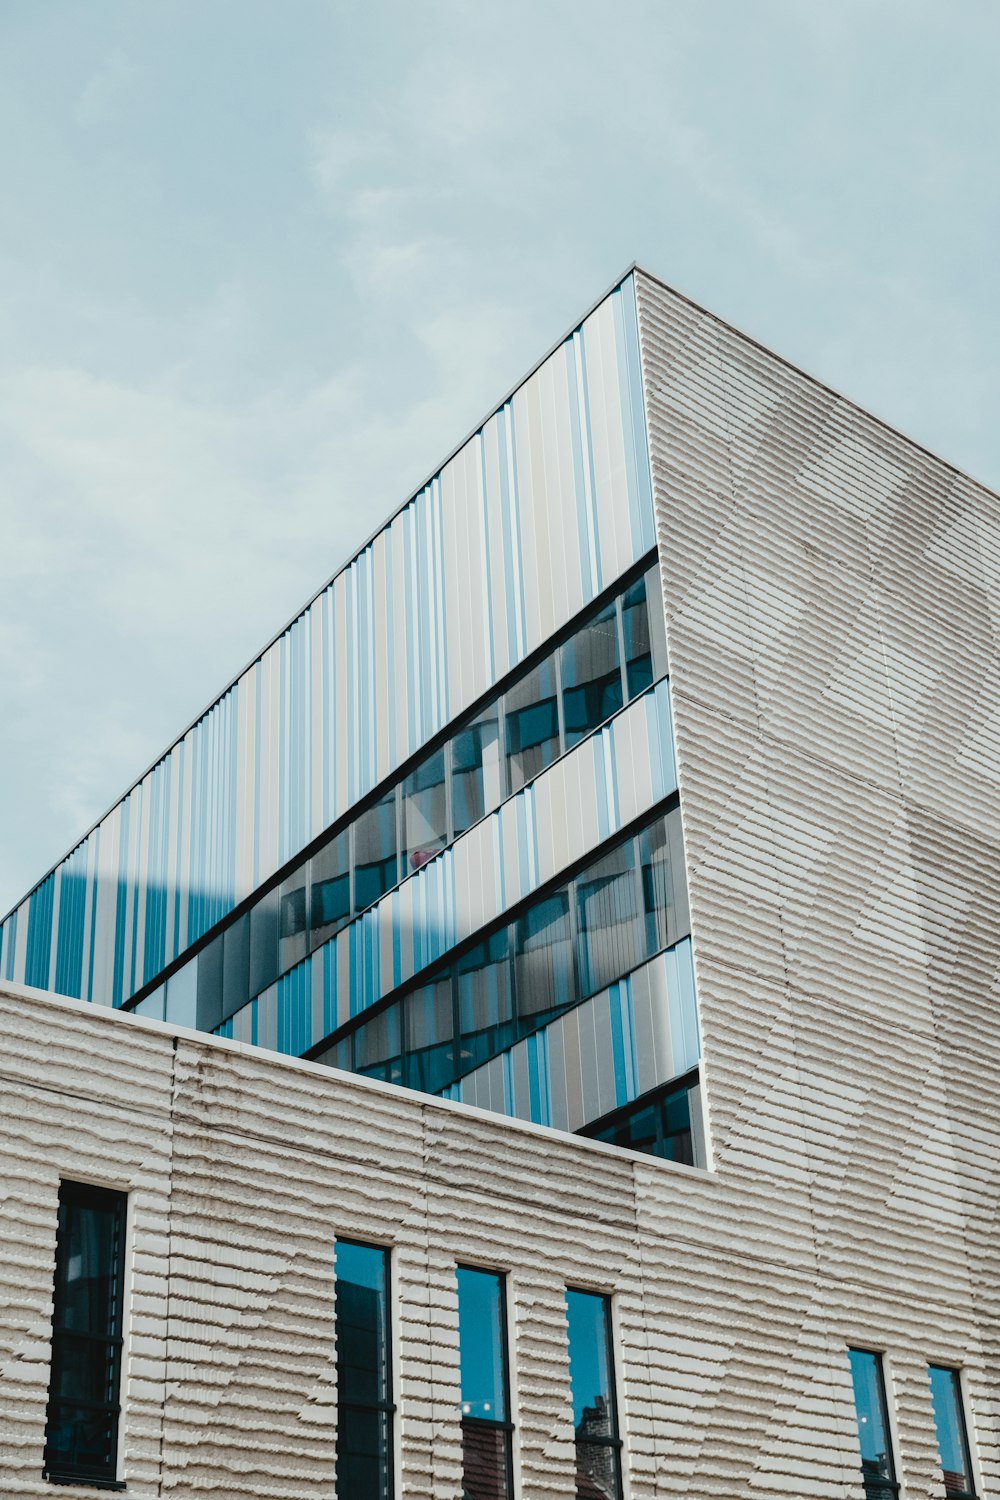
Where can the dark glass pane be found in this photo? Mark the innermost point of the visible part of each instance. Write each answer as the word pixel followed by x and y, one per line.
pixel 477 779
pixel 591 675
pixel 264 943
pixel 952 1437
pixel 425 813
pixel 543 959
pixel 86 1289
pixel 608 918
pixel 330 877
pixel 377 1047
pixel 587 1315
pixel 660 1126
pixel 638 652
pixel 481 1345
pixel 485 1462
pixel 235 967
pixel 872 1418
pixel 531 724
pixel 664 893
pixel 598 1471
pixel 430 1035
pixel 678 1142
pixel 363 1449
pixel 362 1323
pixel 485 1001
pixel 83 1369
pixel 81 1442
pixel 375 867
pixel 293 922
pixel 209 971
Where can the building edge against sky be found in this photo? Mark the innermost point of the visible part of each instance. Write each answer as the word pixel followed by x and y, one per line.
pixel 828 731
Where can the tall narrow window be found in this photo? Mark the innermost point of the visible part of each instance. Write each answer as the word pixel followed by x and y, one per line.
pixel 531 709
pixel 81 1428
pixel 364 1379
pixel 878 1467
pixel 591 675
pixel 486 1425
pixel 592 1384
pixel 952 1434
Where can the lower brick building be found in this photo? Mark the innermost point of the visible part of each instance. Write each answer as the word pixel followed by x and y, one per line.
pixel 534 1035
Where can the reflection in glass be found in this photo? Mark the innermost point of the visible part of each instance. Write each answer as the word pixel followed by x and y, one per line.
pixel 484 1385
pixel 595 1414
pixel 532 724
pixel 364 1408
pixel 591 676
pixel 612 940
pixel 485 1001
pixel 375 866
pixel 330 871
pixel 425 812
pixel 378 1053
pixel 293 936
pixel 952 1434
pixel 543 959
pixel 659 1124
pixel 81 1433
pixel 430 1035
pixel 659 855
pixel 477 783
pixel 877 1466
pixel 638 650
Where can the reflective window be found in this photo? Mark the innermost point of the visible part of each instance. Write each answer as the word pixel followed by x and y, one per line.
pixel 659 1124
pixel 477 770
pixel 610 924
pixel 429 1017
pixel 638 648
pixel 264 943
pixel 293 921
pixel 379 1052
pixel 486 1427
pixel 364 1404
pixel 425 813
pixel 330 875
pixel 590 668
pixel 81 1426
pixel 877 1465
pixel 375 865
pixel 485 1001
pixel 952 1434
pixel 543 959
pixel 595 1411
pixel 531 724
pixel 664 897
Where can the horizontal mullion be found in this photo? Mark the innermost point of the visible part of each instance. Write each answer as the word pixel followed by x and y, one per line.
pixel 110 1409
pixel 388 1407
pixel 599 1442
pixel 495 1426
pixel 61 1331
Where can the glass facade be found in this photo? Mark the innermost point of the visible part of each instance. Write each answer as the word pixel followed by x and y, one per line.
pixel 595 1406
pixel 485 1386
pixel 564 946
pixel 952 1434
pixel 364 1373
pixel 81 1428
pixel 878 1466
pixel 613 654
pixel 658 1124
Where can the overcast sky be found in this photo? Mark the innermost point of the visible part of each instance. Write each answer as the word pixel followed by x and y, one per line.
pixel 265 261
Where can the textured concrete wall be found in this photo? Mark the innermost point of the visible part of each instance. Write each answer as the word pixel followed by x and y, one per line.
pixel 833 602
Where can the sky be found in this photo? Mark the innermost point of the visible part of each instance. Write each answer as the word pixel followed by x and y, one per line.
pixel 265 262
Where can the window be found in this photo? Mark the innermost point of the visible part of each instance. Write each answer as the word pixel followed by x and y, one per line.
pixel 612 942
pixel 476 770
pixel 592 1385
pixel 659 1123
pixel 486 1425
pixel 364 1376
pixel 331 888
pixel 531 715
pixel 877 1464
pixel 425 813
pixel 81 1426
pixel 591 675
pixel 375 852
pixel 952 1434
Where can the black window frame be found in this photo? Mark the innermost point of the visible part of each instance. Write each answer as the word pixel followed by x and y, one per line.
pixel 614 1441
pixel 506 1427
pixel 386 1408
pixel 955 1372
pixel 81 1195
pixel 876 1487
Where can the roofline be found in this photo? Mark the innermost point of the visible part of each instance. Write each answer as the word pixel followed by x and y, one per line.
pixel 557 344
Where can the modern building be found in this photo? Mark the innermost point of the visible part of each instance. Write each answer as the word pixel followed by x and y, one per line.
pixel 586 905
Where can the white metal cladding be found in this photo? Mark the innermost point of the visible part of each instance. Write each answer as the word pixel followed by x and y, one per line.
pixel 539 511
pixel 593 792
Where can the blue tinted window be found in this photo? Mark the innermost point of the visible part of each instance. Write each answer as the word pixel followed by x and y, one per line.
pixel 531 711
pixel 424 805
pixel 543 959
pixel 609 921
pixel 485 1001
pixel 81 1428
pixel 375 863
pixel 477 780
pixel 952 1436
pixel 330 872
pixel 590 668
pixel 595 1412
pixel 364 1407
pixel 877 1464
pixel 484 1385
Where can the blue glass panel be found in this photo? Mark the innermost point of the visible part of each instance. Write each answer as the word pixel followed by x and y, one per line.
pixel 952 1437
pixel 531 712
pixel 877 1464
pixel 481 1345
pixel 591 676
